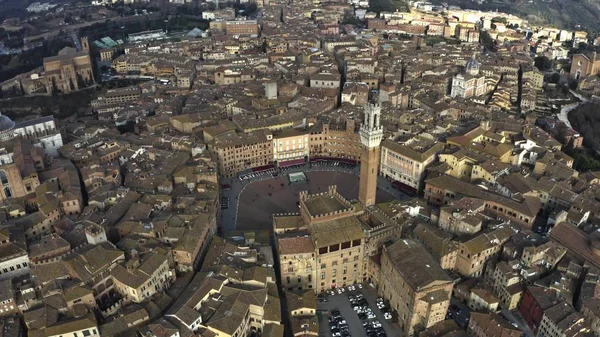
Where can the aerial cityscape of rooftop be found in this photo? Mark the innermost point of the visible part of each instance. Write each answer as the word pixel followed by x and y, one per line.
pixel 298 168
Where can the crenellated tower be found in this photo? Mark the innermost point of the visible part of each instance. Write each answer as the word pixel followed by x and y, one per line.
pixel 371 134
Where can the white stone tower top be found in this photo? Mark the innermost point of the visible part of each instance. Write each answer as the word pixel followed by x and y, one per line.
pixel 472 66
pixel 371 131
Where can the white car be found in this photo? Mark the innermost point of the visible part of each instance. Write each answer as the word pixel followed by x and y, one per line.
pixel 359 286
pixel 370 315
pixel 379 299
pixel 380 305
pixel 351 288
pixel 339 291
pixel 387 315
pixel 376 324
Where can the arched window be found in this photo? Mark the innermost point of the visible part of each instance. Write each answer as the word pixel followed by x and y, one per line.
pixel 7 192
pixel 3 177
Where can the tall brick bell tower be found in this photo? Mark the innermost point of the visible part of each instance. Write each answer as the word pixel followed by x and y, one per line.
pixel 371 133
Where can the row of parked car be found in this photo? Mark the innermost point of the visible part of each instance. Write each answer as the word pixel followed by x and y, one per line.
pixel 269 172
pixel 338 325
pixel 333 164
pixel 293 167
pixel 224 203
pixel 372 326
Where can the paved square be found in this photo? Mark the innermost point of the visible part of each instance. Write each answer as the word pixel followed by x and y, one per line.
pixel 261 199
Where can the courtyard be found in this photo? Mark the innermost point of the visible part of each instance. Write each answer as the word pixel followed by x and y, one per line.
pixel 253 202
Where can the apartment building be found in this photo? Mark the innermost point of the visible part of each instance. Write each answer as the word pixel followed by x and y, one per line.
pixel 474 253
pixel 490 325
pixel 290 147
pixel 12 182
pixel 463 216
pixel 335 140
pixel 439 244
pixel 297 262
pixel 444 189
pixel 120 95
pixel 302 312
pixel 547 255
pixel 482 299
pixel 406 162
pixel 14 261
pixel 8 304
pixel 533 75
pixel 325 80
pixel 241 27
pixel 417 289
pixel 562 320
pixel 536 300
pixel 240 152
pixel 83 326
pixel 505 282
pixel 141 278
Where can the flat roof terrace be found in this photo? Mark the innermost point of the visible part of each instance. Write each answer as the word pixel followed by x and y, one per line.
pixel 322 204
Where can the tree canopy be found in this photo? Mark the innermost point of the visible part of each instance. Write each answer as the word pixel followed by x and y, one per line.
pixel 543 63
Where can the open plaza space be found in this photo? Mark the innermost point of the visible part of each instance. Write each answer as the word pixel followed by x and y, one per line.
pixel 258 200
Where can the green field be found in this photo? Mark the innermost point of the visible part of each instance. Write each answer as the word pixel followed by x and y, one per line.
pixel 567 14
pixel 388 6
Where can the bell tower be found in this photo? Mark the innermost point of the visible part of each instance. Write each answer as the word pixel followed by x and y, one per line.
pixel 371 133
pixel 85 44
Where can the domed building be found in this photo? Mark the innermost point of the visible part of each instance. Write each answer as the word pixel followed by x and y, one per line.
pixel 472 66
pixel 470 83
pixel 7 127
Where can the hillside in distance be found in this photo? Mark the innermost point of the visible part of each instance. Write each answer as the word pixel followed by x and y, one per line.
pixel 566 14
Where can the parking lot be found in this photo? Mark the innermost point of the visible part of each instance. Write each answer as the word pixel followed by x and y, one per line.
pixel 346 322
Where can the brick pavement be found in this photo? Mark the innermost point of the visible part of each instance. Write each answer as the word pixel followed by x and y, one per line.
pixel 261 199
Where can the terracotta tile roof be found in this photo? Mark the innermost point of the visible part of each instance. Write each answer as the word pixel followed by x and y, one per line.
pixel 296 245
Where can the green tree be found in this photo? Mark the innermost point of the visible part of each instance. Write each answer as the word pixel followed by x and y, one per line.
pixel 543 63
pixel 486 40
pixel 499 19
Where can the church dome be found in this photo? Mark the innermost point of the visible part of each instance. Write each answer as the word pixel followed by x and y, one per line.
pixel 6 124
pixel 472 66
